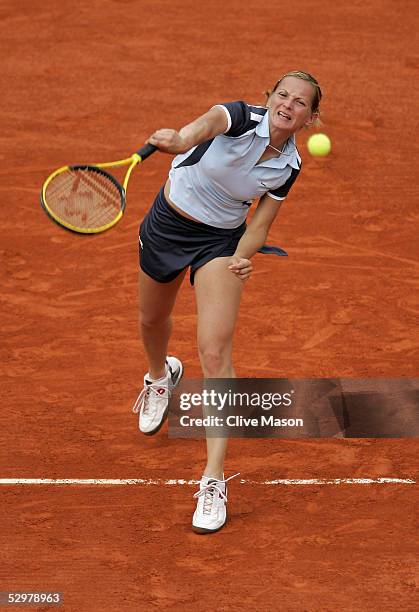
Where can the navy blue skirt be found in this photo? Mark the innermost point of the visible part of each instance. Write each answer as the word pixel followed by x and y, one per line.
pixel 169 242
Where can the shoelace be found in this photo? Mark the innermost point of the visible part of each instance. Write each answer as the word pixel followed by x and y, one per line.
pixel 142 403
pixel 209 490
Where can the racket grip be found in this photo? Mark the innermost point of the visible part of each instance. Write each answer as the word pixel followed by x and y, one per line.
pixel 146 151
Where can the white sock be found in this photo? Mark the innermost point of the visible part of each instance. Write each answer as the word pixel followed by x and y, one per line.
pixel 153 380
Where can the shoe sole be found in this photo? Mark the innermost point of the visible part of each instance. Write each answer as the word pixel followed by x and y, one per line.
pixel 166 412
pixel 203 531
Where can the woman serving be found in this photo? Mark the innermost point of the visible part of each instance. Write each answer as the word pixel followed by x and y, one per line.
pixel 224 160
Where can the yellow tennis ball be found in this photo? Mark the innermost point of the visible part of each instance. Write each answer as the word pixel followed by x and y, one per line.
pixel 319 145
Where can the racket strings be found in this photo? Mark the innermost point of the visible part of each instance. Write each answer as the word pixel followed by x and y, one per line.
pixel 83 198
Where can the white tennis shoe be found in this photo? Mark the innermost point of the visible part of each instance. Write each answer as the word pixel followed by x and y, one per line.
pixel 153 402
pixel 211 513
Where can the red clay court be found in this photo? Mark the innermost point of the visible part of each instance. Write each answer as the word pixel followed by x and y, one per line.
pixel 88 82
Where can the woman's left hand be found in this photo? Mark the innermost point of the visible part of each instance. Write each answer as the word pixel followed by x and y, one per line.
pixel 241 267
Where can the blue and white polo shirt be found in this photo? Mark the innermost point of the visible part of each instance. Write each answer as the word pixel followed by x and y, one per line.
pixel 216 181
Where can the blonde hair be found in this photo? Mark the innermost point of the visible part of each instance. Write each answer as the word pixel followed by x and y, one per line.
pixel 299 74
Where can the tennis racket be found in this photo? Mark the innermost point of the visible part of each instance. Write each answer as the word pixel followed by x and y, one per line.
pixel 87 199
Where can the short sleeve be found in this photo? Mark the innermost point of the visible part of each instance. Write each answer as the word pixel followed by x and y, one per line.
pixel 238 116
pixel 281 192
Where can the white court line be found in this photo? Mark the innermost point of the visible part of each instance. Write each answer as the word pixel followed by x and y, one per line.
pixel 159 481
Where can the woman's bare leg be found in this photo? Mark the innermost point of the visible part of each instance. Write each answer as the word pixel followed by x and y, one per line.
pixel 156 304
pixel 218 292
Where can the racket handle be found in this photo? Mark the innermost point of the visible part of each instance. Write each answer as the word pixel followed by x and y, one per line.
pixel 146 151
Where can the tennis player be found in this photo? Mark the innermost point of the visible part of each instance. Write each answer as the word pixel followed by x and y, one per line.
pixel 225 159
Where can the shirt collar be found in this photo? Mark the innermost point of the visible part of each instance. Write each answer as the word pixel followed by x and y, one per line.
pixel 262 128
pixel 290 155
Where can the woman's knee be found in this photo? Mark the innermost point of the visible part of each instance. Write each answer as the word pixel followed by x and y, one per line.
pixel 152 318
pixel 215 360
